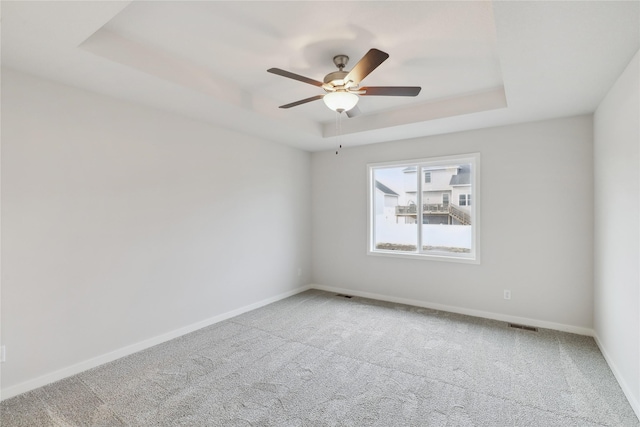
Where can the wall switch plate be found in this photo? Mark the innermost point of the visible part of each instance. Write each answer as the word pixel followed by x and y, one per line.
pixel 507 294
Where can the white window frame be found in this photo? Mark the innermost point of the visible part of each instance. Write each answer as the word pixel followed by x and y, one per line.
pixel 469 258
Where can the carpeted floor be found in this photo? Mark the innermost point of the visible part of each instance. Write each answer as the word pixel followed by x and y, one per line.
pixel 316 359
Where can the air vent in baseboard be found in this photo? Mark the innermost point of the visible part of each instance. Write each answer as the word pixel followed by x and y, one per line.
pixel 344 296
pixel 523 327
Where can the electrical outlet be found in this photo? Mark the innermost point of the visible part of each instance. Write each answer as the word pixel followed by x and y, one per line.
pixel 299 272
pixel 507 294
pixel 3 353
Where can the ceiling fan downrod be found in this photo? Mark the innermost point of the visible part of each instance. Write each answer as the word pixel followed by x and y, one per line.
pixel 340 61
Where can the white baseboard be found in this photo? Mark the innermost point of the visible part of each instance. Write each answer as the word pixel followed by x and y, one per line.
pixel 633 400
pixel 469 312
pixel 133 348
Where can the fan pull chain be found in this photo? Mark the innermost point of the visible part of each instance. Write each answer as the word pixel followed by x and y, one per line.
pixel 339 129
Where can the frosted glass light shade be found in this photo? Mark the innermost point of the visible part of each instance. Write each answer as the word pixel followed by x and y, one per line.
pixel 340 101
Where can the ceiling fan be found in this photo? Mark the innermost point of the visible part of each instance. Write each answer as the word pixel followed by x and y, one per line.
pixel 343 87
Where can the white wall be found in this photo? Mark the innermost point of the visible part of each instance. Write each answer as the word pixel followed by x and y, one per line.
pixel 121 223
pixel 617 229
pixel 542 252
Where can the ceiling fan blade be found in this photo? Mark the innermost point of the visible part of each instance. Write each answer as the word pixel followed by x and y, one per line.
pixel 366 65
pixel 294 76
pixel 391 90
pixel 354 112
pixel 302 101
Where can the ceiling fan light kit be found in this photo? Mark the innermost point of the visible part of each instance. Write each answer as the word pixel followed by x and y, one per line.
pixel 343 87
pixel 340 101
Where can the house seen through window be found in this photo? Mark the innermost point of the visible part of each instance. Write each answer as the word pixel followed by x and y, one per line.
pixel 431 217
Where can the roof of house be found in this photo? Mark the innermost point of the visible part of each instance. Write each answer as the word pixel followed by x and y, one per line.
pixel 386 190
pixel 463 177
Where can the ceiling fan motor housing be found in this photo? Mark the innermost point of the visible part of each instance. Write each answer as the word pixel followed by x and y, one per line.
pixel 336 78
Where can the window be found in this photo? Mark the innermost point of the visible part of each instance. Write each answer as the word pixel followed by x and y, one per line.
pixel 420 221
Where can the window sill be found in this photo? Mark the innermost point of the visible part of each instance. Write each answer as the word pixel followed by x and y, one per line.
pixel 427 257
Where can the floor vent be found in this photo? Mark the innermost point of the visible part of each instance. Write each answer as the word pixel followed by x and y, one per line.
pixel 523 327
pixel 344 296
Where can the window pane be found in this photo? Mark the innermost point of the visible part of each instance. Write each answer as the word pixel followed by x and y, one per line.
pixel 422 208
pixel 395 209
pixel 447 227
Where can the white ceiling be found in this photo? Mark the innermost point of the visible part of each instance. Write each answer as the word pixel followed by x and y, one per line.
pixel 479 63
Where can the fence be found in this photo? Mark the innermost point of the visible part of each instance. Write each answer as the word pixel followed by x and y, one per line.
pixel 457 236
